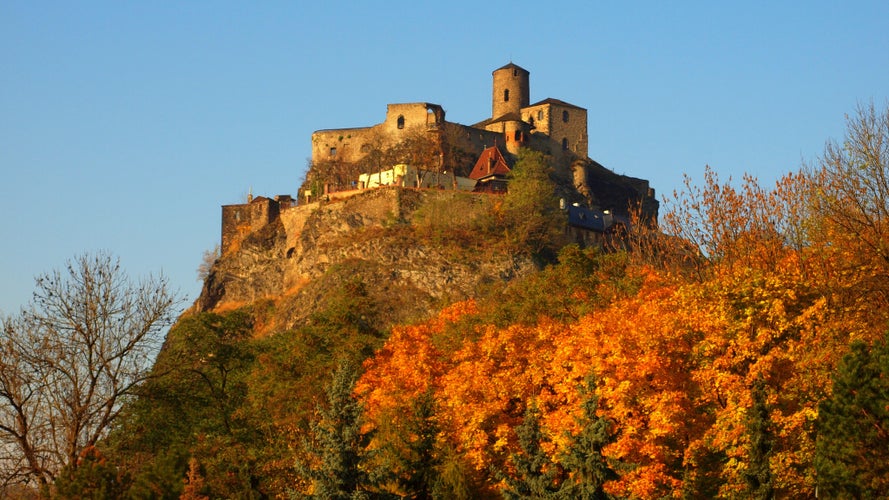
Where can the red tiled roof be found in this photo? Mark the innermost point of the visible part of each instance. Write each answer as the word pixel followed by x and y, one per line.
pixel 490 163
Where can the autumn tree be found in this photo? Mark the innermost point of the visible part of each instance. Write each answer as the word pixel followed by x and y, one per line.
pixel 853 182
pixel 530 208
pixel 71 359
pixel 208 260
pixel 194 483
pixel 418 148
pixel 375 159
pixel 457 151
pixel 849 207
pixel 330 175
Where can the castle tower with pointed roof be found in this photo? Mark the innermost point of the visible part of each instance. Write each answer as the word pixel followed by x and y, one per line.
pixel 512 90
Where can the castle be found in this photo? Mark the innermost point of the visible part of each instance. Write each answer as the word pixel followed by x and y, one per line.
pixel 416 137
pixel 551 126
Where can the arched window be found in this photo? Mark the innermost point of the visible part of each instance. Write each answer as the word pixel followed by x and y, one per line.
pixel 565 116
pixel 400 122
pixel 540 115
pixel 565 144
pixel 506 95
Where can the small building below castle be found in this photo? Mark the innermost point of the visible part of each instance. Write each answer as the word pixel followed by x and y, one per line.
pixel 490 172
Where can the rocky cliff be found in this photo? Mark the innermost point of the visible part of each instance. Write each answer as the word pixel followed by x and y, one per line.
pixel 415 251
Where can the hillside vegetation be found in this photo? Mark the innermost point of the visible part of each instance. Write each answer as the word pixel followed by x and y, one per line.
pixel 459 347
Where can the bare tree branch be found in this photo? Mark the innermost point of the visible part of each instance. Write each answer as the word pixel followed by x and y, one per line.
pixel 71 359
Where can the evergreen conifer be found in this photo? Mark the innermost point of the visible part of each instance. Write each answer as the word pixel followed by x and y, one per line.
pixel 536 475
pixel 339 444
pixel 588 469
pixel 852 446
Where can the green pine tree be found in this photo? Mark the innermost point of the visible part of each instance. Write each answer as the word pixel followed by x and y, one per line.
pixel 587 468
pixel 536 475
pixel 339 444
pixel 415 458
pixel 90 477
pixel 852 445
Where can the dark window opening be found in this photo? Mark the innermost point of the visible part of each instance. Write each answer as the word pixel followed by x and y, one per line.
pixel 565 116
pixel 332 151
pixel 565 144
pixel 518 135
pixel 506 95
pixel 401 122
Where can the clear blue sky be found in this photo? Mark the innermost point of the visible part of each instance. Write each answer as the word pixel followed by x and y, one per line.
pixel 125 125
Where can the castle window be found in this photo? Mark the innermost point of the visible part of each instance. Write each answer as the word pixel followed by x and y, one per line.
pixel 506 95
pixel 565 116
pixel 518 135
pixel 540 115
pixel 565 144
pixel 400 122
pixel 332 151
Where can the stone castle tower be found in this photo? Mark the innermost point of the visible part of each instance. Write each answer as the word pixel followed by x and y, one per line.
pixel 511 94
pixel 512 91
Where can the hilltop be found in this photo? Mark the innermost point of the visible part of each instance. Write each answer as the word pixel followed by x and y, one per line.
pixel 416 250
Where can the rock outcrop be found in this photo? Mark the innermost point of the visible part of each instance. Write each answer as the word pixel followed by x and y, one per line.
pixel 372 236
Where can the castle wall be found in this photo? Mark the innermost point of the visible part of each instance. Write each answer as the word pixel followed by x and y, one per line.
pixel 353 144
pixel 471 140
pixel 341 144
pixel 404 117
